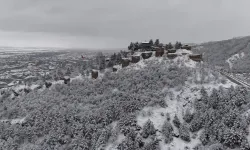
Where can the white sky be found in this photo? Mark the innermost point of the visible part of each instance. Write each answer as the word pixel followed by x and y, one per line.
pixel 114 23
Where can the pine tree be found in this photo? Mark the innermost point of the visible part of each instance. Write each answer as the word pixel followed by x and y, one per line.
pixel 177 45
pixel 188 116
pixel 166 47
pixel 214 99
pixel 184 132
pixel 68 72
pixel 148 129
pixel 119 58
pixel 167 131
pixel 157 42
pixel 102 65
pixel 131 46
pixel 170 46
pixel 59 73
pixel 151 42
pixel 110 64
pixel 160 45
pixel 100 59
pixel 176 121
pixel 113 58
pixel 136 46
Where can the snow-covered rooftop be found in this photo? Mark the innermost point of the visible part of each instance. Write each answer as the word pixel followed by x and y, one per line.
pixel 66 77
pixel 94 70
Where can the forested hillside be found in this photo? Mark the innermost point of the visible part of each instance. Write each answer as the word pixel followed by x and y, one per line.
pixel 155 104
pixel 218 53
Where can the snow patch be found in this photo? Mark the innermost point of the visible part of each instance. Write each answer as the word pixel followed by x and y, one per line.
pixel 14 121
pixel 112 146
pixel 19 87
pixel 185 61
pixel 115 90
pixel 34 86
pixel 118 67
pixel 178 144
pixel 183 51
pixel 235 58
pixel 140 65
pixel 79 77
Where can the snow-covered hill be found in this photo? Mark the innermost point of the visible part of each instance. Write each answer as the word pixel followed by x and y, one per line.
pixel 142 106
pixel 232 53
pixel 178 99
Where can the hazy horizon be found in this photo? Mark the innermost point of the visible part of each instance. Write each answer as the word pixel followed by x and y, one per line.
pixel 114 24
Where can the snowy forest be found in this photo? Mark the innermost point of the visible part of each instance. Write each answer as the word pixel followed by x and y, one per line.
pixel 124 75
pixel 95 114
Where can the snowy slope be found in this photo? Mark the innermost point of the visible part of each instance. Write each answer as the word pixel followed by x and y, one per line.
pixel 178 99
pixel 235 58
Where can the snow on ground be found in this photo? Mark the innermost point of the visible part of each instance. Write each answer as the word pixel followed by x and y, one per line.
pixel 137 66
pixel 179 144
pixel 137 54
pixel 79 77
pixel 58 82
pixel 14 121
pixel 183 51
pixel 113 143
pixel 178 100
pixel 112 146
pixel 118 67
pixel 11 84
pixel 33 86
pixel 234 58
pixel 19 87
pixel 115 90
pixel 184 60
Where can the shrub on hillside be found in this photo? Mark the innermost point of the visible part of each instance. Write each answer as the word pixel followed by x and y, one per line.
pixel 176 121
pixel 245 144
pixel 167 132
pixel 103 138
pixel 233 138
pixel 168 117
pixel 184 132
pixel 188 116
pixel 152 145
pixel 197 122
pixel 127 120
pixel 148 129
pixel 214 99
pixel 204 137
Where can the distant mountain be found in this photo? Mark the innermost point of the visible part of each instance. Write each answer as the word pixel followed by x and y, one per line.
pixel 233 53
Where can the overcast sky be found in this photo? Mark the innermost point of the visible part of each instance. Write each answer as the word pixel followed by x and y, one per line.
pixel 114 23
